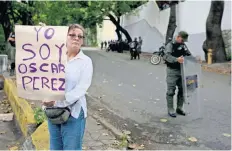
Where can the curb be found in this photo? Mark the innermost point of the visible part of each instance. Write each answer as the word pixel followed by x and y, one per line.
pixel 21 108
pixel 40 138
pixel 36 138
pixel 216 70
pixel 116 132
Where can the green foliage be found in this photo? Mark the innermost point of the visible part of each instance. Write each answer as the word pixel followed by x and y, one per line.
pixel 19 12
pixel 87 13
pixel 118 8
pixel 124 142
pixel 39 116
pixel 2 38
pixel 91 36
pixel 62 13
pixel 2 41
pixel 12 12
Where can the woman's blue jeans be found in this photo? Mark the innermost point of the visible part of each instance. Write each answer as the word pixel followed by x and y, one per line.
pixel 67 136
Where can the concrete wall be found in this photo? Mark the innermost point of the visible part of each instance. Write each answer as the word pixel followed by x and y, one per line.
pixel 151 24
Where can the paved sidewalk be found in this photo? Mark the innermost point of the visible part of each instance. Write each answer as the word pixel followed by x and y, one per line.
pixel 97 137
pixel 221 68
pixel 10 134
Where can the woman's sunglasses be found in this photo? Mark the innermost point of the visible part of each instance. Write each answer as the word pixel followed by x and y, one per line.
pixel 74 36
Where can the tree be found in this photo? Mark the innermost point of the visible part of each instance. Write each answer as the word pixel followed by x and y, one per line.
pixel 172 18
pixel 54 12
pixel 120 8
pixel 65 12
pixel 22 11
pixel 4 17
pixel 171 24
pixel 114 10
pixel 12 12
pixel 214 39
pixel 68 12
pixel 87 13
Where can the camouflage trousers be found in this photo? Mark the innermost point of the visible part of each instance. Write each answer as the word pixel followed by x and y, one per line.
pixel 174 79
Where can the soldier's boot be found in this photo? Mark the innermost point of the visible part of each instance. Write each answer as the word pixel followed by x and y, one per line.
pixel 180 103
pixel 171 111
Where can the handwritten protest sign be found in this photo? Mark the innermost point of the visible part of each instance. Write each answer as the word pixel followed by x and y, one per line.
pixel 40 62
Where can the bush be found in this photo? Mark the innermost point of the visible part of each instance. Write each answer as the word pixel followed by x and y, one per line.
pixel 39 116
pixel 2 36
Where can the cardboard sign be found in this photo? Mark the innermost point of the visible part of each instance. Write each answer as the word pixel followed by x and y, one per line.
pixel 40 62
pixel 191 79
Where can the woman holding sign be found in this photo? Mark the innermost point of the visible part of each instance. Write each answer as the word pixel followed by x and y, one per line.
pixel 66 119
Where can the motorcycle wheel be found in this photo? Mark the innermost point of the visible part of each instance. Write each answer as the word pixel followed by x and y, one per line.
pixel 155 59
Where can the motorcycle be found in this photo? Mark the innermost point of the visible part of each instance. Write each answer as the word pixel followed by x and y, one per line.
pixel 157 56
pixel 108 49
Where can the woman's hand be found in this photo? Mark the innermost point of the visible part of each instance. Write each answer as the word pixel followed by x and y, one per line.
pixel 48 103
pixel 11 39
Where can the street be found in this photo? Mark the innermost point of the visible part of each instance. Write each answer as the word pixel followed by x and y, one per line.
pixel 132 96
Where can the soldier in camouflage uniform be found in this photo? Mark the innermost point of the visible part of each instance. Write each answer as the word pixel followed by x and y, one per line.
pixel 174 52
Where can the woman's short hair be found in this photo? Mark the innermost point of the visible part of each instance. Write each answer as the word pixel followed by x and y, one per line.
pixel 73 26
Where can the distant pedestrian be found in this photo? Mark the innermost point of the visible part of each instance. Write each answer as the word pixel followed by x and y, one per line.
pixel 140 42
pixel 105 44
pixel 134 49
pixel 102 45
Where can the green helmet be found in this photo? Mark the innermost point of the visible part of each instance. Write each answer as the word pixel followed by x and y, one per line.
pixel 184 35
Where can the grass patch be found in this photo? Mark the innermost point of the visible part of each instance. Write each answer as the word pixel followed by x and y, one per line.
pixel 39 115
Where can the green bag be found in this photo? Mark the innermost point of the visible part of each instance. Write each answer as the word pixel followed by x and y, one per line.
pixel 57 115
